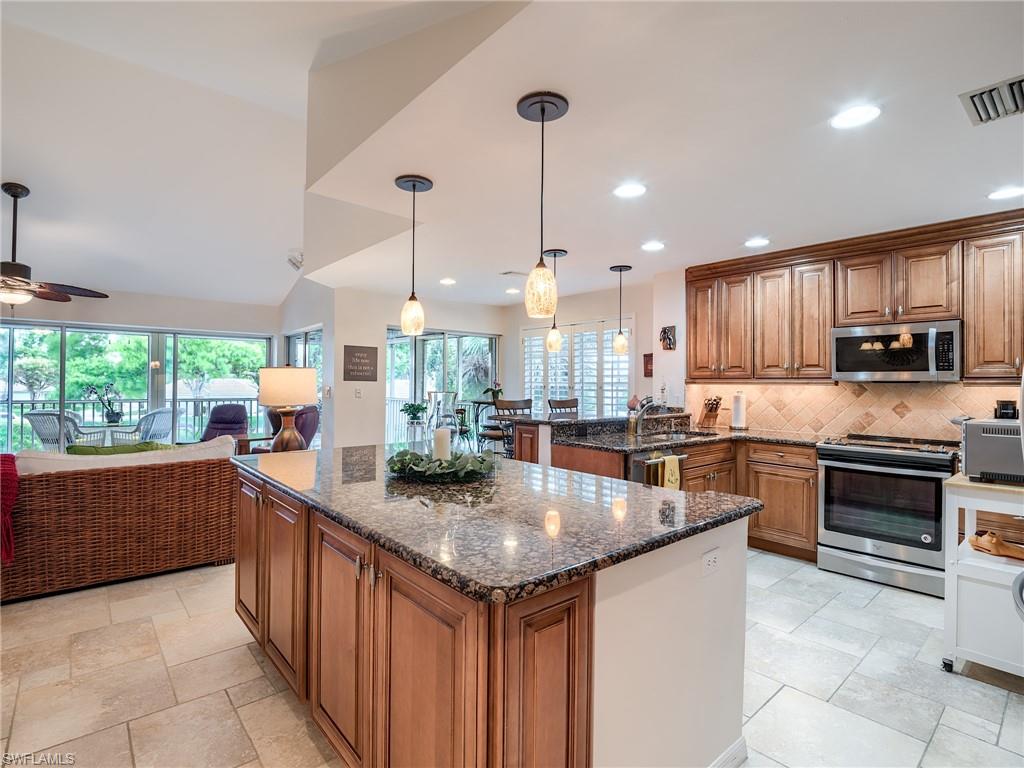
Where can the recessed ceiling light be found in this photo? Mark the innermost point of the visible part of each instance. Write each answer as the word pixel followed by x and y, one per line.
pixel 855 116
pixel 447 281
pixel 630 189
pixel 511 291
pixel 1005 193
pixel 757 242
pixel 653 245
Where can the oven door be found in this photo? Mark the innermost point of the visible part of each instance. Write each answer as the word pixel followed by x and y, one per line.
pixel 889 512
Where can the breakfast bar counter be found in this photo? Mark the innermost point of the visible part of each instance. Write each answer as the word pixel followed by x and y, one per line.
pixel 537 616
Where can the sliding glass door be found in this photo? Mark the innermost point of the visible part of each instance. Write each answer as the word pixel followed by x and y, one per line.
pixel 81 371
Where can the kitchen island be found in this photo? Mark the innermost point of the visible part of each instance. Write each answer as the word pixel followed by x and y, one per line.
pixel 538 617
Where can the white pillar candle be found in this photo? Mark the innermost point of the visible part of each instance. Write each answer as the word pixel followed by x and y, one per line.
pixel 442 444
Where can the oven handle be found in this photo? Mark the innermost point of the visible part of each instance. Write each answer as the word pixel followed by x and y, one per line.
pixel 883 470
pixel 933 369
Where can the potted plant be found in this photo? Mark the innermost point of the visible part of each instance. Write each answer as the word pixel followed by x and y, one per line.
pixel 106 398
pixel 414 411
pixel 494 390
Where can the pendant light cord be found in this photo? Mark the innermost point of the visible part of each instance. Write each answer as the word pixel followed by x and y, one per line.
pixel 14 231
pixel 620 303
pixel 543 109
pixel 414 186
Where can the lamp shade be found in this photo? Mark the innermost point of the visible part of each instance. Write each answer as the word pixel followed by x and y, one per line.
pixel 553 341
pixel 412 319
pixel 620 344
pixel 541 292
pixel 288 386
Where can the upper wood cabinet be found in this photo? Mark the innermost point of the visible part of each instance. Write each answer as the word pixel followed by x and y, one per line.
pixel 905 285
pixel 792 322
pixel 864 289
pixel 719 328
pixel 927 282
pixel 993 307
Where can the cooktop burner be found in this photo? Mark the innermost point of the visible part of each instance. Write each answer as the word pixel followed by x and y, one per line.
pixel 924 445
pixel 884 449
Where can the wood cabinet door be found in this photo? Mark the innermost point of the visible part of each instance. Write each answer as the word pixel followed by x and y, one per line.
pixel 772 323
pixel 340 639
pixel 285 588
pixel 927 282
pixel 547 678
pixel 248 571
pixel 864 290
pixel 993 307
pixel 736 306
pixel 790 514
pixel 526 439
pixel 702 329
pixel 812 320
pixel 695 480
pixel 722 478
pixel 428 693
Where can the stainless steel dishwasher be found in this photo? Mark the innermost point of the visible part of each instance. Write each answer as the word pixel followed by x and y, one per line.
pixel 648 467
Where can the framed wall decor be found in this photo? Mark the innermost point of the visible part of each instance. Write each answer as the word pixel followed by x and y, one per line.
pixel 668 337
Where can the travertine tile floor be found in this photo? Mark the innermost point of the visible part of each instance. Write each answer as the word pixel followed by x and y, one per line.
pixel 160 673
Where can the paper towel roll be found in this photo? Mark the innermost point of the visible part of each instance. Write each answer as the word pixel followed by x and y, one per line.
pixel 739 411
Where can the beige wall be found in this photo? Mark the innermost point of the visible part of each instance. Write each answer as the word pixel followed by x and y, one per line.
pixel 668 303
pixel 580 308
pixel 361 318
pixel 141 310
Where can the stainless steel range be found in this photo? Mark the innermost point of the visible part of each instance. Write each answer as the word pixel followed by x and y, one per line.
pixel 880 509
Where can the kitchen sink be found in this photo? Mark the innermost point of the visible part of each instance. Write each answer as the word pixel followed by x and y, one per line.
pixel 671 436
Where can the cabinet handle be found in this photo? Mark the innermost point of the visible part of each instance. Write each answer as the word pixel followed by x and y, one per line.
pixel 796 367
pixel 785 366
pixel 1016 362
pixel 899 310
pixel 374 575
pixel 887 311
pixel 359 566
pixel 780 454
pixel 811 481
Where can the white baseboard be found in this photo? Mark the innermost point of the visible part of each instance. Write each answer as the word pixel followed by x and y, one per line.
pixel 733 757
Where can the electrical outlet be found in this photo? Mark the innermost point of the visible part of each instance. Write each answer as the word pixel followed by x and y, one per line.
pixel 359 394
pixel 709 562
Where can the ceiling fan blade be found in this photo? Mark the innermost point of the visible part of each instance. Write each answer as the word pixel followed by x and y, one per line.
pixel 48 295
pixel 73 290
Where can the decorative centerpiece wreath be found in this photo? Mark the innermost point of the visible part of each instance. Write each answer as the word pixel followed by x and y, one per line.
pixel 460 468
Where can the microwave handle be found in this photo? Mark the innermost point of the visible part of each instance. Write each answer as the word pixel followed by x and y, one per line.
pixel 932 366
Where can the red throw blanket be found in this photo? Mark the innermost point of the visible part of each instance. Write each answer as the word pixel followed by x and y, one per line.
pixel 8 496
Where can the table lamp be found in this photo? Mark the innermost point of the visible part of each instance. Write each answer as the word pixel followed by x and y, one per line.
pixel 286 390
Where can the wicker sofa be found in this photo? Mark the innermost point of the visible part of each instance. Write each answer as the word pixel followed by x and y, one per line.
pixel 84 527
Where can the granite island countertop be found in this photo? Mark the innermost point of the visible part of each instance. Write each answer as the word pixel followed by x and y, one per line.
pixel 523 529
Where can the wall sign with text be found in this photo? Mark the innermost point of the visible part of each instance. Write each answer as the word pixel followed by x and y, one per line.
pixel 360 363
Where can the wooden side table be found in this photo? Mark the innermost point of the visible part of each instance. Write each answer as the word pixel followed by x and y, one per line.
pixel 981 623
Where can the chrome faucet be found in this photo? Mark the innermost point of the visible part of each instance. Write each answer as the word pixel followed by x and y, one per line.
pixel 635 424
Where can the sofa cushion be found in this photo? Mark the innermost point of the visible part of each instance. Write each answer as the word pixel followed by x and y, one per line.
pixel 113 450
pixel 38 462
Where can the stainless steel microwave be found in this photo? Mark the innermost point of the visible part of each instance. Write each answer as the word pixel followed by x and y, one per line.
pixel 898 352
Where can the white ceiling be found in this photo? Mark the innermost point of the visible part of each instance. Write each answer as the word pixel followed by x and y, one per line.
pixel 721 109
pixel 162 143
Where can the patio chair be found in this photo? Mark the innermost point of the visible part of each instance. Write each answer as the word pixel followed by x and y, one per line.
pixel 47 425
pixel 155 425
pixel 226 419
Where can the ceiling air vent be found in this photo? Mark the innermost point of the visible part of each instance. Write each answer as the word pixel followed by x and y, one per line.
pixel 992 102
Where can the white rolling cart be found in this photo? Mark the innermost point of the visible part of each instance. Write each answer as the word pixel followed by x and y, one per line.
pixel 982 619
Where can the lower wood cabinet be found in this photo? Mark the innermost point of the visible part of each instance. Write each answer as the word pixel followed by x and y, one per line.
pixel 716 477
pixel 526 442
pixel 248 571
pixel 340 639
pixel 284 638
pixel 590 460
pixel 790 515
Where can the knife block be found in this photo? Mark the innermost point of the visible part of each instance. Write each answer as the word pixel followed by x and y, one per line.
pixel 708 419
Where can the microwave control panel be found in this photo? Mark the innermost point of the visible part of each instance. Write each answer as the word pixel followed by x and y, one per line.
pixel 944 351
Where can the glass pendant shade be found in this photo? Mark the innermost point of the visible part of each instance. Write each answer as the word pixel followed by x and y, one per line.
pixel 541 292
pixel 620 344
pixel 11 296
pixel 553 341
pixel 412 317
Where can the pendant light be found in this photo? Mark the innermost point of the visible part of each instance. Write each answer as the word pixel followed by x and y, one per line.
pixel 620 344
pixel 541 288
pixel 412 313
pixel 553 341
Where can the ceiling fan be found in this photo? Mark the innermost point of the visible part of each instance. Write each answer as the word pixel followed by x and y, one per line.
pixel 16 283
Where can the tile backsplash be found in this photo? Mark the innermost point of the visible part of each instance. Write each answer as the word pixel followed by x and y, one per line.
pixel 905 410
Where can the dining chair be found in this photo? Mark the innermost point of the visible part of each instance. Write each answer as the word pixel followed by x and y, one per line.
pixel 155 425
pixel 503 409
pixel 566 407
